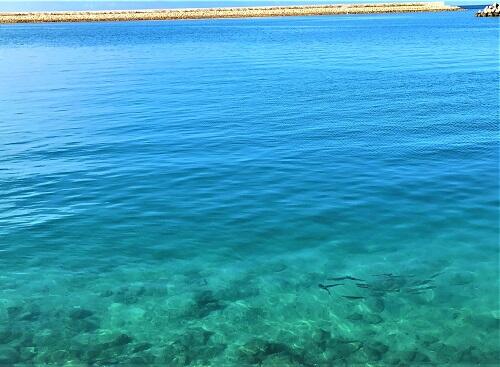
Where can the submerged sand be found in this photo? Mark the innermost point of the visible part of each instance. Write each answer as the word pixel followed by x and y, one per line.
pixel 234 12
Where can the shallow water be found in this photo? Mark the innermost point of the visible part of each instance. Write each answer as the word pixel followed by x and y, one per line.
pixel 174 192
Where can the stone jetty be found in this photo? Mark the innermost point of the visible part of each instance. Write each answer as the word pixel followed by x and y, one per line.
pixel 230 12
pixel 489 11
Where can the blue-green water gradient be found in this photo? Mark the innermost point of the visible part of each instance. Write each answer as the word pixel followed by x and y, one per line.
pixel 174 193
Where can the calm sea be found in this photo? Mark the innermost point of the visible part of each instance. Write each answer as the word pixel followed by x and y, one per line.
pixel 308 191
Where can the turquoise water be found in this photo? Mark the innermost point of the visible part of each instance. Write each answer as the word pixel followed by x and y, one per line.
pixel 175 193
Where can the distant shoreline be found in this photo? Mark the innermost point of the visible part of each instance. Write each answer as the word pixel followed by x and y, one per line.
pixel 215 13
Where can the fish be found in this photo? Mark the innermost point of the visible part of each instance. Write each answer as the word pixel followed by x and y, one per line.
pixel 347 277
pixel 391 275
pixel 383 275
pixel 386 290
pixel 422 282
pixel 422 289
pixel 435 275
pixel 353 297
pixel 382 291
pixel 325 287
pixel 428 287
pixel 362 285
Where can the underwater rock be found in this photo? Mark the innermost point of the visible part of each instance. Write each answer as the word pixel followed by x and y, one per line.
pixel 462 278
pixel 157 291
pixel 394 361
pixel 276 268
pixel 140 359
pixel 422 298
pixel 428 339
pixel 74 363
pixel 250 351
pixel 103 345
pixel 83 326
pixel 129 295
pixel 196 337
pixel 140 347
pixel 194 346
pixel 355 316
pixel 211 351
pixel 106 293
pixel 25 340
pixel 381 347
pixel 335 354
pixel 278 360
pixel 14 311
pixel 471 355
pixel 59 356
pixel 373 355
pixel 91 353
pixel 485 322
pixel 387 283
pixel 375 351
pixel 321 337
pixel 26 354
pixel 372 318
pixel 341 350
pixel 171 254
pixel 80 313
pixel 331 348
pixel 7 335
pixel 490 357
pixel 120 340
pixel 25 312
pixel 8 356
pixel 376 304
pixel 256 351
pixel 255 314
pixel 414 356
pixel 30 315
pixel 46 337
pixel 83 345
pixel 42 358
pixel 237 292
pixel 174 354
pixel 439 346
pixel 102 349
pixel 205 304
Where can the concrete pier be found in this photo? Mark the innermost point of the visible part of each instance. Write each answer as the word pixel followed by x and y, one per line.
pixel 210 13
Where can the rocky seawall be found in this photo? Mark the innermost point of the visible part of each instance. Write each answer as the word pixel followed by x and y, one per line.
pixel 236 12
pixel 489 11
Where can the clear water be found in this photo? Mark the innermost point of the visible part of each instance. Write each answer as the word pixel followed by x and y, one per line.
pixel 175 192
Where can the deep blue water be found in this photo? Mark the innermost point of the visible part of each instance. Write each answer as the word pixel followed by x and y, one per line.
pixel 174 192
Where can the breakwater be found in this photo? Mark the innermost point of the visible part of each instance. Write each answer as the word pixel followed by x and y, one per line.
pixel 489 11
pixel 233 12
